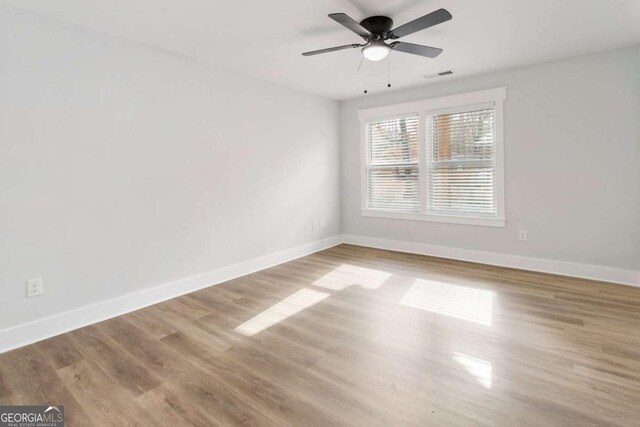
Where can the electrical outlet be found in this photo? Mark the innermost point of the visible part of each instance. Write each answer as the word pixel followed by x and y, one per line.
pixel 34 287
pixel 522 235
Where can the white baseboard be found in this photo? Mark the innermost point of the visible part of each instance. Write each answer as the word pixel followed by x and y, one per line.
pixel 585 271
pixel 40 329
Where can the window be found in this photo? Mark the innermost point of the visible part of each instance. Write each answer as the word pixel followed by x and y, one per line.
pixel 392 164
pixel 436 160
pixel 461 163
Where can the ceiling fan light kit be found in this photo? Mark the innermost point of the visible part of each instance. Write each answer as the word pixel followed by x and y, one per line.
pixel 376 50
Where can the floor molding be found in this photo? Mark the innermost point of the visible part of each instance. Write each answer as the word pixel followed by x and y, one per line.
pixel 40 329
pixel 584 271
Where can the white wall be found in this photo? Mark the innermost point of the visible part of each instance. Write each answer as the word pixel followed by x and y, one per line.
pixel 123 167
pixel 572 160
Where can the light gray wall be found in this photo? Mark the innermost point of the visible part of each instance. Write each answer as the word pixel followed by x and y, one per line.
pixel 572 163
pixel 123 167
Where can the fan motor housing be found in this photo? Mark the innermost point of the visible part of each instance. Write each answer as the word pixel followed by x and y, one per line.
pixel 378 25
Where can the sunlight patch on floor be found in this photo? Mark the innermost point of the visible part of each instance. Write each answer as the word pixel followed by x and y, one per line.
pixel 295 303
pixel 350 275
pixel 461 302
pixel 480 369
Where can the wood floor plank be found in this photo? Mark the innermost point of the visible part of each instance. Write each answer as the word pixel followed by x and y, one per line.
pixel 352 336
pixel 168 408
pixel 60 351
pixel 125 370
pixel 31 380
pixel 99 396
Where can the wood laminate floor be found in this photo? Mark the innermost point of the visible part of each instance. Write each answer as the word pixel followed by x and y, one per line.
pixel 352 336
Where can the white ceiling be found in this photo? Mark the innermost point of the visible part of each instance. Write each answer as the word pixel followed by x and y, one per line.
pixel 265 38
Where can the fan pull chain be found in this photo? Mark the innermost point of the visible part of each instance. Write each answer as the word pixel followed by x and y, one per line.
pixel 389 71
pixel 366 79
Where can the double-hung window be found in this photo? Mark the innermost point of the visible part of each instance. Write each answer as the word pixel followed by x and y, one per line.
pixel 436 160
pixel 392 168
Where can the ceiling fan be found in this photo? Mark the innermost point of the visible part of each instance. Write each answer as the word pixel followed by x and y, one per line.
pixel 375 30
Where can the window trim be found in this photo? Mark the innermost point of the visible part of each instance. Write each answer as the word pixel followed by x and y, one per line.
pixel 495 96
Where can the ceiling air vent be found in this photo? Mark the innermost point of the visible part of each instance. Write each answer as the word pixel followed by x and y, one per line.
pixel 440 74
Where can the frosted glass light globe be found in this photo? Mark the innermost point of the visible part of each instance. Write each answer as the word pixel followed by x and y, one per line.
pixel 376 50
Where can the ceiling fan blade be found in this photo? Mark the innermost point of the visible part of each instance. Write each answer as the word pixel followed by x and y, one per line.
pixel 416 49
pixel 350 23
pixel 332 49
pixel 434 18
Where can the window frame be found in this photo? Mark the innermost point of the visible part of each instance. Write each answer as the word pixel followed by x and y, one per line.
pixel 424 108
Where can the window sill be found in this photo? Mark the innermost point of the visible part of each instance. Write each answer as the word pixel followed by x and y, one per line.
pixel 486 222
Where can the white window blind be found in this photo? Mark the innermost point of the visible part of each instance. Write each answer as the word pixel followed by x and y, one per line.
pixel 461 163
pixel 392 172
